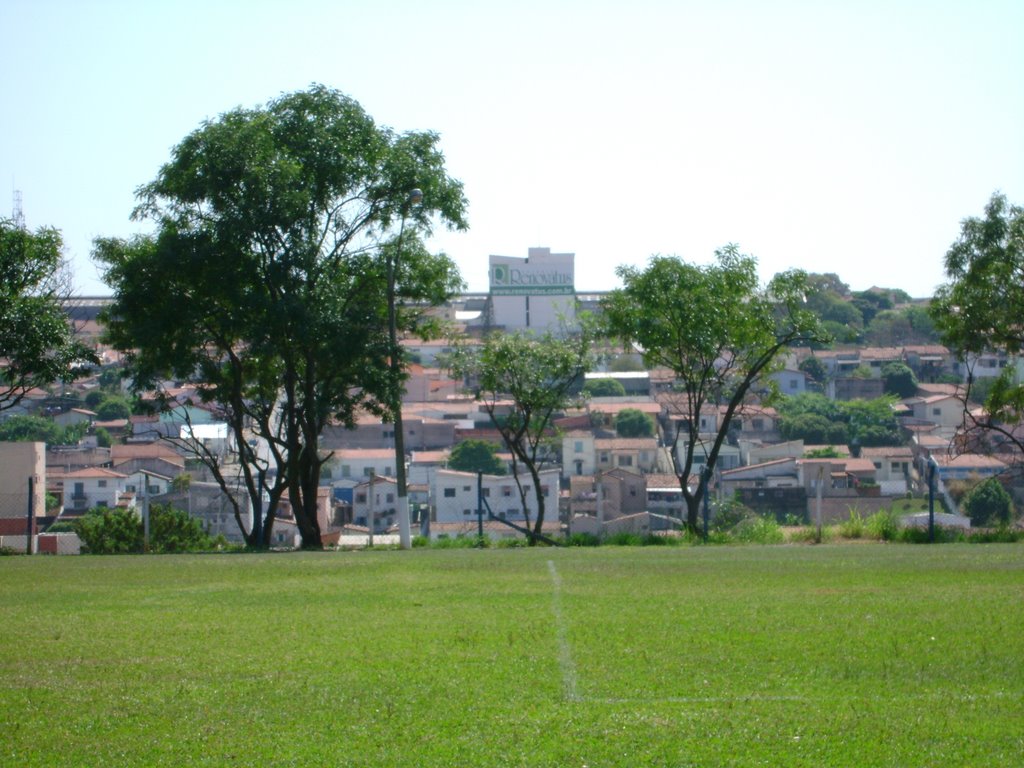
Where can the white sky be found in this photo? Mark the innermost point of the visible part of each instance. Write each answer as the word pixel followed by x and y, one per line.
pixel 846 137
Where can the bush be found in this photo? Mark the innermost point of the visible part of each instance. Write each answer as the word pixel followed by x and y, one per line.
pixel 106 531
pixel 809 535
pixel 988 503
pixel 727 514
pixel 582 540
pixel 174 530
pixel 623 539
pixel 883 525
pixel 852 527
pixel 759 530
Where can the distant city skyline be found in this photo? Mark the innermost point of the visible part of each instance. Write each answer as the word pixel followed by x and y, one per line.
pixel 842 138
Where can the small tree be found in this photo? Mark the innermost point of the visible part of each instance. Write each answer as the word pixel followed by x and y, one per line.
pixel 988 503
pixel 113 408
pixel 980 309
pixel 631 422
pixel 106 531
pixel 37 344
pixel 899 380
pixel 719 332
pixel 604 388
pixel 474 455
pixel 174 530
pixel 535 373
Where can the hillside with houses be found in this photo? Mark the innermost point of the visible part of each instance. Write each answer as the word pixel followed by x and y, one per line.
pixel 599 481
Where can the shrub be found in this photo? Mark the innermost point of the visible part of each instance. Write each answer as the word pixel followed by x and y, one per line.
pixel 624 539
pixel 511 543
pixel 759 530
pixel 852 527
pixel 727 514
pixel 106 531
pixel 988 503
pixel 883 525
pixel 809 535
pixel 582 540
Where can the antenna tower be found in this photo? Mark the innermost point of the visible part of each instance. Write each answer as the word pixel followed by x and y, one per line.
pixel 19 214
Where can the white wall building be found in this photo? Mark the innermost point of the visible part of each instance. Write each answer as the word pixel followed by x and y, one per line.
pixel 535 293
pixel 455 496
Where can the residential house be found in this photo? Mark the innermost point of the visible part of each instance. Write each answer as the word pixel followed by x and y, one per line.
pixel 610 494
pixel 206 501
pixel 160 458
pixel 455 495
pixel 84 489
pixel 945 411
pixel 664 496
pixel 634 454
pixel 579 457
pixel 351 466
pixel 74 417
pixel 893 467
pixel 790 381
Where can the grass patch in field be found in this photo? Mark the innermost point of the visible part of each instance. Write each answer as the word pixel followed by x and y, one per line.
pixel 609 656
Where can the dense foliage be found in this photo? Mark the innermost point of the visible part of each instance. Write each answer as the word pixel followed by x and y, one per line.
pixel 277 244
pixel 474 455
pixel 980 309
pixel 718 331
pixel 37 344
pixel 818 420
pixel 536 374
pixel 631 422
pixel 38 429
pixel 988 503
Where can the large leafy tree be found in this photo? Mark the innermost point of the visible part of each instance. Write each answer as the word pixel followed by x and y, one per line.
pixel 523 381
pixel 719 332
pixel 278 230
pixel 472 455
pixel 37 344
pixel 980 310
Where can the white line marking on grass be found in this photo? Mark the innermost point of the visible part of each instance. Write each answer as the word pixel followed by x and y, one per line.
pixel 565 661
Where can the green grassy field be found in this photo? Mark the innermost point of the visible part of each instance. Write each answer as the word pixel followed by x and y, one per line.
pixel 855 655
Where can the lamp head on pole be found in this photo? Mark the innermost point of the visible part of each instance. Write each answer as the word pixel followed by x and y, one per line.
pixel 415 196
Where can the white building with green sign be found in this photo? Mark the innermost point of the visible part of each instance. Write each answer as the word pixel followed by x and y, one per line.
pixel 536 293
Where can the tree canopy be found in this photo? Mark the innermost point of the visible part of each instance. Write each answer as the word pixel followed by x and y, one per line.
pixel 980 309
pixel 265 281
pixel 537 373
pixel 632 422
pixel 37 343
pixel 474 455
pixel 718 330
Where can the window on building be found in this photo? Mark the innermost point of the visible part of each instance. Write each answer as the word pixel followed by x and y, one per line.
pixel 391 498
pixel 506 490
pixel 449 493
pixel 604 458
pixel 757 424
pixel 794 384
pixel 346 470
pixel 466 488
pixel 578 446
pixel 467 512
pixel 625 461
pixel 936 411
pixel 367 471
pixel 102 483
pixel 486 493
pixel 360 498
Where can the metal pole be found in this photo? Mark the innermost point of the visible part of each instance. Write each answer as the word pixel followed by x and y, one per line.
pixel 707 481
pixel 932 466
pixel 369 513
pixel 480 505
pixel 30 517
pixel 821 482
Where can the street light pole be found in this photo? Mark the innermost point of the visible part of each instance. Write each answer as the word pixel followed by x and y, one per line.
pixel 402 505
